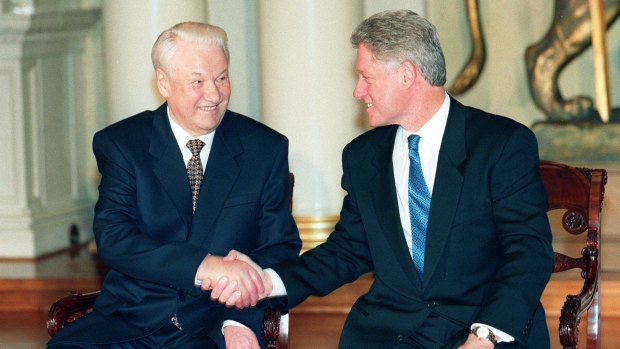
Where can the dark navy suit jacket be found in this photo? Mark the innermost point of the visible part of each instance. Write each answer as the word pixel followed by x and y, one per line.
pixel 488 248
pixel 147 234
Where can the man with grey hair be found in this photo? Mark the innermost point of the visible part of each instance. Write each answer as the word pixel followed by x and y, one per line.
pixel 444 204
pixel 180 187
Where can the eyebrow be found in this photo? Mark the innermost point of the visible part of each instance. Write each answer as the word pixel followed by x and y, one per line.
pixel 200 74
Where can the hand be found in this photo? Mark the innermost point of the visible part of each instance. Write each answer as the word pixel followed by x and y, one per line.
pixel 240 337
pixel 244 282
pixel 224 290
pixel 236 255
pixel 474 342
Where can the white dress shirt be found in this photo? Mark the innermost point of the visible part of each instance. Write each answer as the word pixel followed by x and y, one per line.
pixel 183 137
pixel 431 135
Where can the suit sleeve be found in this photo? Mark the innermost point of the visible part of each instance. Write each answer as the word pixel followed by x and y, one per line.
pixel 519 204
pixel 340 260
pixel 278 237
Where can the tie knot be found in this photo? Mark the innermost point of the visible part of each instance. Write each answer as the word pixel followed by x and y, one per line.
pixel 195 146
pixel 413 142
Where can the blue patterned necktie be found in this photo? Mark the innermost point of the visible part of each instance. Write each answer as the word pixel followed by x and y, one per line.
pixel 419 204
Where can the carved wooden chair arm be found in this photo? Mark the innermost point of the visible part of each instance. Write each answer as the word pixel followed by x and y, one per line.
pixel 68 309
pixel 576 305
pixel 271 328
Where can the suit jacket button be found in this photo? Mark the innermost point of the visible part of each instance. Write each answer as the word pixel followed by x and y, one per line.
pixel 431 305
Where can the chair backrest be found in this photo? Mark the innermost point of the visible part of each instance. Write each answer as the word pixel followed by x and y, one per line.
pixel 580 192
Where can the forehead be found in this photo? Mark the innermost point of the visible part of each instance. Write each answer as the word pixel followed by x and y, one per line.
pixel 367 63
pixel 199 56
pixel 365 56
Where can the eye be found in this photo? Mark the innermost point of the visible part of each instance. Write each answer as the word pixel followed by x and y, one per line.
pixel 196 82
pixel 222 78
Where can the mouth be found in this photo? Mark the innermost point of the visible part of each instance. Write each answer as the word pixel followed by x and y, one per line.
pixel 368 105
pixel 211 108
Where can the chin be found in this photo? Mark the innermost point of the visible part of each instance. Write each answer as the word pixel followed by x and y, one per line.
pixel 374 123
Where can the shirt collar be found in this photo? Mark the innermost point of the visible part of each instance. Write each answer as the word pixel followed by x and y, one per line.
pixel 432 131
pixel 183 136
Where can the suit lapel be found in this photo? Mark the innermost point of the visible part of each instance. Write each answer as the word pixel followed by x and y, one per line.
pixel 385 202
pixel 220 175
pixel 447 188
pixel 168 165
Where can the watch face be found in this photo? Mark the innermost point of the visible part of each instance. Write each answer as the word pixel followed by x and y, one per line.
pixel 482 332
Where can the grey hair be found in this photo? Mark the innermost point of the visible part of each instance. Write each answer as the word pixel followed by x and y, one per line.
pixel 397 36
pixel 166 44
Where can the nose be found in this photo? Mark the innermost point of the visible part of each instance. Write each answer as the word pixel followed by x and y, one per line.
pixel 211 92
pixel 360 89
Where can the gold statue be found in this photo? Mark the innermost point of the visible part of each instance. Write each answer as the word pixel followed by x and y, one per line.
pixel 570 34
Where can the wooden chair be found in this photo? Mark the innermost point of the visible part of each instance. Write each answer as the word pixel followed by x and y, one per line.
pixel 76 304
pixel 580 192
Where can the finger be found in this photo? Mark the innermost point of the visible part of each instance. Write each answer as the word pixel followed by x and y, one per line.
pixel 205 284
pixel 234 300
pixel 228 292
pixel 253 286
pixel 219 287
pixel 258 281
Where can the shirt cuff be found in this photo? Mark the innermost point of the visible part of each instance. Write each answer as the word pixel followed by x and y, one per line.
pixel 278 289
pixel 232 323
pixel 198 283
pixel 500 336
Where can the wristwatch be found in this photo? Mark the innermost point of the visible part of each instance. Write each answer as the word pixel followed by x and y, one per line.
pixel 483 332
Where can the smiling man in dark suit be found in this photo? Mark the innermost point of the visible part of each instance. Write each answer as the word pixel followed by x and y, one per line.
pixel 161 225
pixel 444 204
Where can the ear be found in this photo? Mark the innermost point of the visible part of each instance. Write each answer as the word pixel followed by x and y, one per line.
pixel 408 73
pixel 163 83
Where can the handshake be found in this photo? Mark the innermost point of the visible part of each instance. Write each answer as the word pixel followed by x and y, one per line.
pixel 234 280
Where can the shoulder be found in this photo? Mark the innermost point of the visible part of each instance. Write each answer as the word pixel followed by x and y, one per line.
pixel 376 137
pixel 477 119
pixel 482 127
pixel 491 135
pixel 132 127
pixel 235 124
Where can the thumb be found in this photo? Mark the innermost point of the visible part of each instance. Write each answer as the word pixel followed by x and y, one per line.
pixel 231 256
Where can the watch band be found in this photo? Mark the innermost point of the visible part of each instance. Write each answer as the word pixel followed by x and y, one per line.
pixel 483 332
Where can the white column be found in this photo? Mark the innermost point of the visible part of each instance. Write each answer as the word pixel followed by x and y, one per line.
pixel 43 120
pixel 129 30
pixel 307 73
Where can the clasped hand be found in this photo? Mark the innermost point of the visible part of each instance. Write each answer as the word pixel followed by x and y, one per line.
pixel 234 280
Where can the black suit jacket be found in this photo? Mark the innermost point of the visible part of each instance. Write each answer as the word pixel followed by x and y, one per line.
pixel 147 234
pixel 488 249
